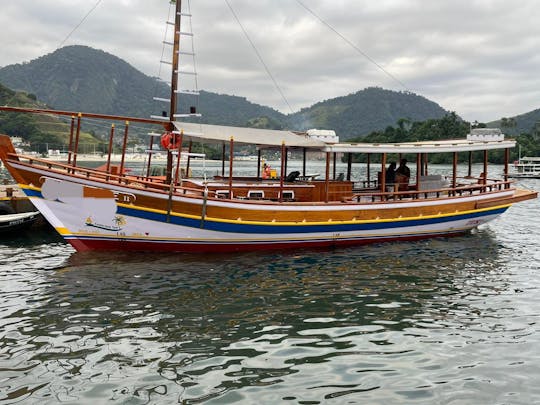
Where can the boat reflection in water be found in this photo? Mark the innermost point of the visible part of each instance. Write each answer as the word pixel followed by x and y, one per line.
pixel 390 320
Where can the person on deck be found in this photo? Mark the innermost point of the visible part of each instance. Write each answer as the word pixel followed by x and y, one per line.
pixel 403 169
pixel 390 177
pixel 267 170
pixel 403 173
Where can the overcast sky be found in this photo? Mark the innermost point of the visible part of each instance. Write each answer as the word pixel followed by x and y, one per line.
pixel 480 58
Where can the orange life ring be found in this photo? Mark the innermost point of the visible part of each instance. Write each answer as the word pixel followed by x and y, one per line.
pixel 170 140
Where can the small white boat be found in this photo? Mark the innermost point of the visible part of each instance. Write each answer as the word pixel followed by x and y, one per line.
pixel 526 168
pixel 17 222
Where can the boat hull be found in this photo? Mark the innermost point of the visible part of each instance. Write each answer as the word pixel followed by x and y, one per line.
pixel 90 223
pixel 92 213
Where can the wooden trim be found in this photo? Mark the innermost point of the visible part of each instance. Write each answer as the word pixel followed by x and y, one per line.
pixel 454 169
pixel 443 193
pixel 349 166
pixel 485 167
pixel 178 157
pixel 368 174
pixel 223 159
pixel 175 62
pixel 259 164
pixel 150 148
pixel 124 145
pixel 108 166
pixel 231 158
pixel 304 151
pixel 282 176
pixel 520 195
pixel 506 161
pixel 327 178
pixel 383 174
pixel 138 183
pixel 83 115
pixel 77 134
pixel 70 146
pixel 189 157
pixel 418 169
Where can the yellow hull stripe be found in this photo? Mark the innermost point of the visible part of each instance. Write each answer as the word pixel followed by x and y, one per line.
pixel 298 223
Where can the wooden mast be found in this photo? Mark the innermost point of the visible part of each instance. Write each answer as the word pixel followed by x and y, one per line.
pixel 175 61
pixel 174 84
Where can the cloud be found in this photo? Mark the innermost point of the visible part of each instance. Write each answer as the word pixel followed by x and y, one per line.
pixel 476 57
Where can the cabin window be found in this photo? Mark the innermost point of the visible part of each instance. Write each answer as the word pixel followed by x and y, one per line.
pixel 255 194
pixel 223 194
pixel 288 195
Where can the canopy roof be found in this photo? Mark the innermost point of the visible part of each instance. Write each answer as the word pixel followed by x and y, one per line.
pixel 274 138
pixel 252 136
pixel 457 145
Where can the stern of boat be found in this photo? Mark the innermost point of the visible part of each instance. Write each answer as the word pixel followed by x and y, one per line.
pixel 7 151
pixel 518 196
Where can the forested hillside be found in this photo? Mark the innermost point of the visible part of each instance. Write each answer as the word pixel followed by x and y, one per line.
pixel 365 111
pixel 523 123
pixel 79 78
pixel 448 127
pixel 38 130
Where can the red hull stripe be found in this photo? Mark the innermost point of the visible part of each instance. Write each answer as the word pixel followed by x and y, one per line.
pixel 131 245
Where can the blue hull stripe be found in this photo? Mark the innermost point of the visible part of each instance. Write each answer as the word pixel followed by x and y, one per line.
pixel 301 228
pixel 247 228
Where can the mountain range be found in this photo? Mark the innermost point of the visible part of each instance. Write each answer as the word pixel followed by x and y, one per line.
pixel 80 78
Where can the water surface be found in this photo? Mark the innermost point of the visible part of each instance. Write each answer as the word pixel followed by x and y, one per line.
pixel 443 321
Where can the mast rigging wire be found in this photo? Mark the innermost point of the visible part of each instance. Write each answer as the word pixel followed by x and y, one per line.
pixel 78 25
pixel 351 44
pixel 259 56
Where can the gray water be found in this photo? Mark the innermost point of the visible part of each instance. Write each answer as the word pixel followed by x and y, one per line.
pixel 442 321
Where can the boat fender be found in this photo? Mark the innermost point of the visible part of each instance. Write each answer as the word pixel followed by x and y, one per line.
pixel 6 208
pixel 169 140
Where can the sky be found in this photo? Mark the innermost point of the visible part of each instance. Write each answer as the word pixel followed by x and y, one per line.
pixel 479 58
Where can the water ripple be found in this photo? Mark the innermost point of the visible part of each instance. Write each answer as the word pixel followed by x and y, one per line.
pixel 439 321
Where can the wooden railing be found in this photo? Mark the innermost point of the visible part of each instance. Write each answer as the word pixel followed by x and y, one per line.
pixel 158 185
pixel 470 189
pixel 140 182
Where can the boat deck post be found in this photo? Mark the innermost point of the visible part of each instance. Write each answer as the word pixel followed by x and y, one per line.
pixel 70 145
pixel 124 145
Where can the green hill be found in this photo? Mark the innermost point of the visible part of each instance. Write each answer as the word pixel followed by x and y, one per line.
pixel 524 123
pixel 365 111
pixel 80 78
pixel 34 128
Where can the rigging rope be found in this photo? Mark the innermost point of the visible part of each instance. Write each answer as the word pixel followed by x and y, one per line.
pixel 195 78
pixel 259 56
pixel 78 25
pixel 365 55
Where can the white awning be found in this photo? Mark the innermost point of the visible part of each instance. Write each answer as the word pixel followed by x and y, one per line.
pixel 274 138
pixel 457 145
pixel 252 136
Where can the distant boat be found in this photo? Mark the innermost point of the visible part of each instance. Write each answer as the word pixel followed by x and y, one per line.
pixel 16 211
pixel 10 223
pixel 526 168
pixel 114 209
